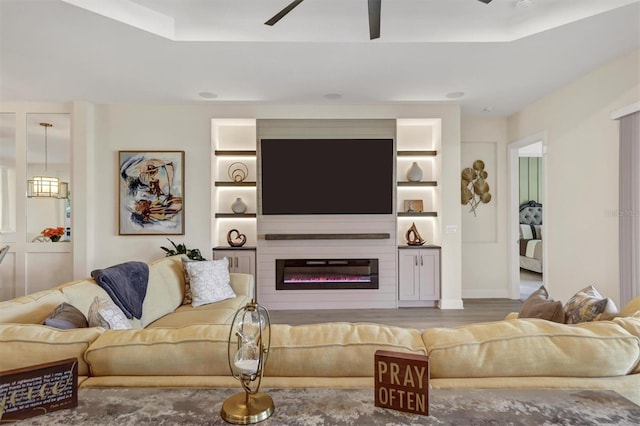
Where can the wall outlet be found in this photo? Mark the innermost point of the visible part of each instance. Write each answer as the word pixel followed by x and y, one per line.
pixel 451 229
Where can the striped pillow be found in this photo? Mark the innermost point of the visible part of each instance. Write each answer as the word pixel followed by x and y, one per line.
pixel 537 231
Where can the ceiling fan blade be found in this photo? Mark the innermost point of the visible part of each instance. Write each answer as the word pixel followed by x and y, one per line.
pixel 485 1
pixel 374 19
pixel 278 16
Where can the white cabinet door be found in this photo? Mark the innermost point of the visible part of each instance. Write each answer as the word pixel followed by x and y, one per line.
pixel 408 275
pixel 221 254
pixel 418 275
pixel 243 261
pixel 429 271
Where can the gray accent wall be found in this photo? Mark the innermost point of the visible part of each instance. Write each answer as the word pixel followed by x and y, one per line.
pixel 530 179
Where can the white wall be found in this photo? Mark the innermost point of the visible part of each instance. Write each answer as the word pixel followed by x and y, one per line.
pixel 582 175
pixel 188 128
pixel 153 128
pixel 582 190
pixel 484 237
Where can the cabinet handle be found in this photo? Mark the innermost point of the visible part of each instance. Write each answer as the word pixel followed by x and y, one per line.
pixel 416 259
pixel 236 262
pixel 421 262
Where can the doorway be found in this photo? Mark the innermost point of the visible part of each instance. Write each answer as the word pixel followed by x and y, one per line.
pixel 527 183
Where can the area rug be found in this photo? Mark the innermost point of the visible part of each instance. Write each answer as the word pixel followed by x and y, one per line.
pixel 316 407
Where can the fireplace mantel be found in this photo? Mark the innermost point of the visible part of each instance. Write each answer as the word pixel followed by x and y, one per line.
pixel 327 236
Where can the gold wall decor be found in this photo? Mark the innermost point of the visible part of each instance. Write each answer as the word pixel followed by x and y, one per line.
pixel 413 236
pixel 474 187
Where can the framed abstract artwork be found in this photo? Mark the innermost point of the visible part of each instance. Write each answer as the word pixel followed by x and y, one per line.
pixel 151 192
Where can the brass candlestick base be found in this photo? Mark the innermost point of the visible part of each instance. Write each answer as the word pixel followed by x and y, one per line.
pixel 243 408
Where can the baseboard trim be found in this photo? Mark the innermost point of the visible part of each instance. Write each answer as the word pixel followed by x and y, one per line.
pixel 451 304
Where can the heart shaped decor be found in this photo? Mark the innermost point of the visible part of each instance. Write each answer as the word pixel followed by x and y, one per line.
pixel 235 238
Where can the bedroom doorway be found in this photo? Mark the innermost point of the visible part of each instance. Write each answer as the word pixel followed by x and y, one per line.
pixel 526 168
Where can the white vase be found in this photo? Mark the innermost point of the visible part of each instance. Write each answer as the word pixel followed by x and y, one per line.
pixel 239 206
pixel 414 174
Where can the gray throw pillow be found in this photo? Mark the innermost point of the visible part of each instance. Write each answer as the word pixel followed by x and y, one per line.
pixel 541 305
pixel 66 317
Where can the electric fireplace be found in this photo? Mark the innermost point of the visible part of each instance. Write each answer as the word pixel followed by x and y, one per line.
pixel 326 274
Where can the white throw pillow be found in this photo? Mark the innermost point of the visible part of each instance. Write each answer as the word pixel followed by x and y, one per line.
pixel 526 233
pixel 209 281
pixel 105 313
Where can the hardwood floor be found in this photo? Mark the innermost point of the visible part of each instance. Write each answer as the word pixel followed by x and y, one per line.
pixel 475 310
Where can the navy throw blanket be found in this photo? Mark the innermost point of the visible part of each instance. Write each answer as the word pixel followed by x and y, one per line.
pixel 126 284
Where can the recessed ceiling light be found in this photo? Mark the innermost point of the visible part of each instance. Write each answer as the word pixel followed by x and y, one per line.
pixel 332 96
pixel 454 95
pixel 207 95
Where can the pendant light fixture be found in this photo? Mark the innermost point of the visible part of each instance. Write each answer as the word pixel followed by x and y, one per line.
pixel 46 186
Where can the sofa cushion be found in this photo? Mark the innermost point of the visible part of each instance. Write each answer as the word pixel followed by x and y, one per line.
pixel 24 345
pixel 335 349
pixel 632 325
pixel 632 308
pixel 66 317
pixel 214 313
pixel 588 305
pixel 243 284
pixel 541 305
pixel 193 350
pixel 209 281
pixel 532 347
pixel 105 313
pixel 166 289
pixel 30 309
pixel 182 317
pixel 81 293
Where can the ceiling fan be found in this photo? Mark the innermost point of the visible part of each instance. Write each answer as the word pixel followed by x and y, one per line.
pixel 374 15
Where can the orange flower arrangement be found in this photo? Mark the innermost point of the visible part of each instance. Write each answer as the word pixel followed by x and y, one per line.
pixel 54 233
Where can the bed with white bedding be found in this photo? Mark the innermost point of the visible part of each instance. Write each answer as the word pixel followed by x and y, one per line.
pixel 531 236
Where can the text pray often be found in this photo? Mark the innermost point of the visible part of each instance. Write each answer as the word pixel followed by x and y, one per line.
pixel 411 378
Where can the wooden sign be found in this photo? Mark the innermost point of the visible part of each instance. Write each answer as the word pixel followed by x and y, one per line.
pixel 402 382
pixel 31 391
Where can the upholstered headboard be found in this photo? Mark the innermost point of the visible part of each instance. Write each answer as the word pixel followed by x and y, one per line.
pixel 531 213
pixel 531 221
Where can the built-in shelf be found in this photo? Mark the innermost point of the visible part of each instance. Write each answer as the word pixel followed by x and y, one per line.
pixel 235 184
pixel 225 152
pixel 428 246
pixel 234 248
pixel 366 236
pixel 234 215
pixel 429 153
pixel 424 183
pixel 417 214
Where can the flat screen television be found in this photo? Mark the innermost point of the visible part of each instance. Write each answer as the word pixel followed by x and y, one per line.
pixel 327 176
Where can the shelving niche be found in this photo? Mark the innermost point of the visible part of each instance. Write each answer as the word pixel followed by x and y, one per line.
pixel 233 141
pixel 418 140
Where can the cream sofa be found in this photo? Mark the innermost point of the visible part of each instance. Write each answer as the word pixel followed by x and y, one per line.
pixel 180 346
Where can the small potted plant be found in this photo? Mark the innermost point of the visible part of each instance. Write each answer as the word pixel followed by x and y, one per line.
pixel 193 254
